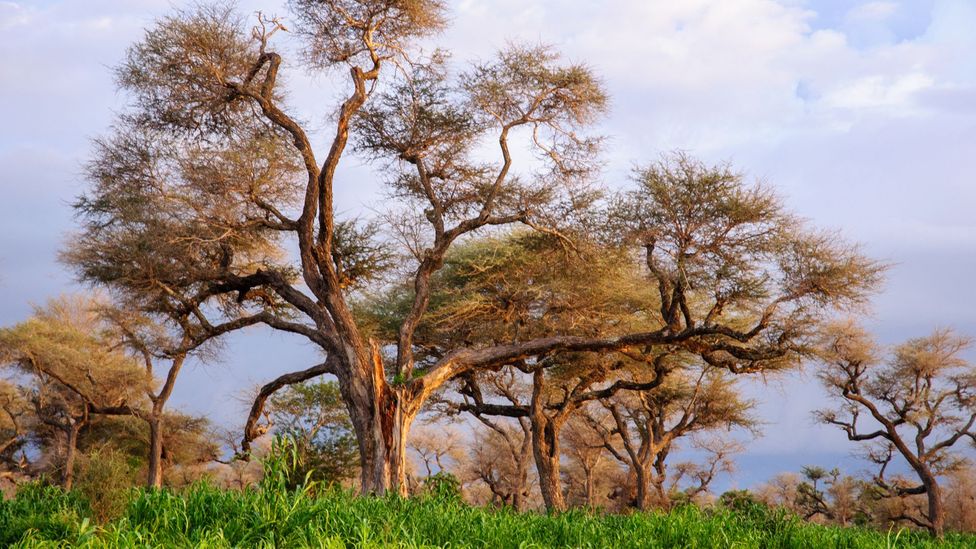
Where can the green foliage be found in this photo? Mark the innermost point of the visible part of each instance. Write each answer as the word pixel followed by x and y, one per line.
pixel 105 478
pixel 739 500
pixel 43 512
pixel 443 486
pixel 314 417
pixel 275 516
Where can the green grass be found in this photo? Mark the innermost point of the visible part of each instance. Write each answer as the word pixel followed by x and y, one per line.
pixel 204 516
pixel 274 516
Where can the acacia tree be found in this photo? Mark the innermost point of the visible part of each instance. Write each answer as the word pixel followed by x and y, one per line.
pixel 187 443
pixel 155 347
pixel 210 171
pixel 76 371
pixel 647 426
pixel 439 448
pixel 588 465
pixel 920 403
pixel 828 494
pixel 16 424
pixel 500 457
pixel 313 415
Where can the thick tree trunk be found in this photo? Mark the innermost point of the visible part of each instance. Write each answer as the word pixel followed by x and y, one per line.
pixel 549 482
pixel 545 448
pixel 155 473
pixel 381 417
pixel 936 509
pixel 642 477
pixel 70 451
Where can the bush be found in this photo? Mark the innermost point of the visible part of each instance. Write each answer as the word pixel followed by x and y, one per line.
pixel 443 486
pixel 105 478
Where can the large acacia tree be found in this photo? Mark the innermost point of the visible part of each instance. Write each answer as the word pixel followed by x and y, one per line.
pixel 210 177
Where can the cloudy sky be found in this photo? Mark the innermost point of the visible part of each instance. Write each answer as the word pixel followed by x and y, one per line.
pixel 862 114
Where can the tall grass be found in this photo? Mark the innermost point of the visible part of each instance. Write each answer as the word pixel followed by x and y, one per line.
pixel 271 515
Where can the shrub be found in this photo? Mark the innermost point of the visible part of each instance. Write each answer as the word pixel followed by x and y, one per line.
pixel 105 478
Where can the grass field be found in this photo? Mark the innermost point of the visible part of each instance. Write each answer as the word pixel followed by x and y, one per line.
pixel 274 516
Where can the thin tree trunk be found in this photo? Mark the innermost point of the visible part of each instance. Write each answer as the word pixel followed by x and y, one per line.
pixel 155 478
pixel 589 487
pixel 642 475
pixel 68 474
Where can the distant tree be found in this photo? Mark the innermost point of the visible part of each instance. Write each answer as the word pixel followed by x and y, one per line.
pixel 829 494
pixel 187 443
pixel 313 414
pixel 158 341
pixel 500 458
pixel 588 463
pixel 75 372
pixel 17 423
pixel 438 447
pixel 780 491
pixel 691 480
pixel 921 402
pixel 209 181
pixel 648 425
pixel 960 498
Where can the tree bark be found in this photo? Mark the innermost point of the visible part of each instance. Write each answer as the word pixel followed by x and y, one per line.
pixel 642 477
pixel 588 490
pixel 155 474
pixel 936 512
pixel 549 481
pixel 545 446
pixel 70 451
pixel 381 416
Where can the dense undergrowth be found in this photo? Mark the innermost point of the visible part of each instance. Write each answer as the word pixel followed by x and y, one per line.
pixel 274 515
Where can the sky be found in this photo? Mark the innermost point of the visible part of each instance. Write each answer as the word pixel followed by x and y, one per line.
pixel 862 114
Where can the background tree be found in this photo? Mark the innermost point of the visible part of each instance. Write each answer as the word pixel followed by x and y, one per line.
pixel 830 495
pixel 589 470
pixel 313 414
pixel 75 372
pixel 438 448
pixel 500 457
pixel 188 447
pixel 16 425
pixel 647 426
pixel 920 404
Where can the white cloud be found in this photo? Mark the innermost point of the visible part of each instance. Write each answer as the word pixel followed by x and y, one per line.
pixel 873 11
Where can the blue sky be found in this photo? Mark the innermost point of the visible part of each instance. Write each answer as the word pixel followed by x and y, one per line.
pixel 862 114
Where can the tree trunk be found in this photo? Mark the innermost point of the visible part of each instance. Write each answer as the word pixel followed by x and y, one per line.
pixel 588 487
pixel 936 509
pixel 155 420
pixel 545 448
pixel 549 484
pixel 381 417
pixel 68 474
pixel 155 473
pixel 519 491
pixel 642 476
